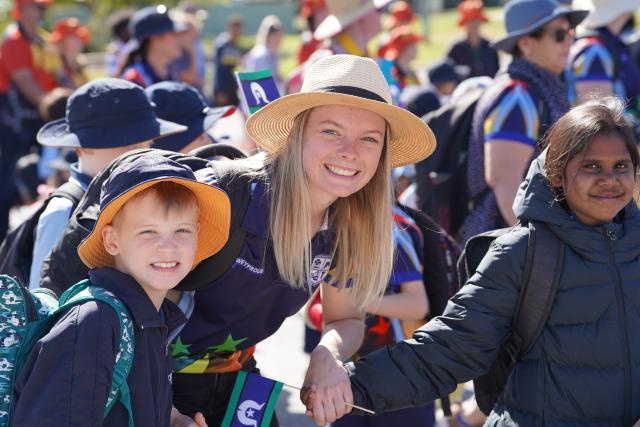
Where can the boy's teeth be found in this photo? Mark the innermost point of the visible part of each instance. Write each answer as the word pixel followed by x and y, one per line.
pixel 343 172
pixel 165 264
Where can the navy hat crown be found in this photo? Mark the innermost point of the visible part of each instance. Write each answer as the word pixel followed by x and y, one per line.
pixel 177 101
pixel 108 102
pixel 149 21
pixel 145 168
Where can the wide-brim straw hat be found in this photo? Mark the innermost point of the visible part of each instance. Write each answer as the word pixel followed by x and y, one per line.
pixel 130 179
pixel 602 12
pixel 343 13
pixel 351 81
pixel 524 17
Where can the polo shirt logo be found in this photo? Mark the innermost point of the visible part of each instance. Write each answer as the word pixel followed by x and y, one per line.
pixel 319 268
pixel 245 264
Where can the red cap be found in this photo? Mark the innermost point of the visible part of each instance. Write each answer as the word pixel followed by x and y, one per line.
pixel 470 10
pixel 400 13
pixel 20 4
pixel 400 38
pixel 310 6
pixel 69 26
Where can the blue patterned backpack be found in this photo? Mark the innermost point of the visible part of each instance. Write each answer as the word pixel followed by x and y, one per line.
pixel 26 316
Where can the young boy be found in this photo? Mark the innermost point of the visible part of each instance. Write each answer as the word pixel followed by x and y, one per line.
pixel 104 119
pixel 156 223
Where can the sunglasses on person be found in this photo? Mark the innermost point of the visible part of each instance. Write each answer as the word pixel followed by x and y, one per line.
pixel 559 35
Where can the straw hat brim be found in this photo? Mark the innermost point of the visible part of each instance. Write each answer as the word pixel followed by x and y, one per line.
pixel 334 24
pixel 214 220
pixel 410 141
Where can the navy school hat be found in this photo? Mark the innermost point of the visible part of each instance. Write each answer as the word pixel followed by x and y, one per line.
pixel 106 113
pixel 150 21
pixel 444 71
pixel 182 103
pixel 523 17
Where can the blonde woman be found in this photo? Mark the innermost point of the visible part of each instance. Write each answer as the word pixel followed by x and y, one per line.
pixel 320 198
pixel 265 54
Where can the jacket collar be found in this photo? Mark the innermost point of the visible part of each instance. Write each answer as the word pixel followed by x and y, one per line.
pixel 144 313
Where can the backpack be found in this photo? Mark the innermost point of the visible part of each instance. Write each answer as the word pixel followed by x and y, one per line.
pixel 26 316
pixel 16 251
pixel 63 265
pixel 441 179
pixel 440 252
pixel 543 265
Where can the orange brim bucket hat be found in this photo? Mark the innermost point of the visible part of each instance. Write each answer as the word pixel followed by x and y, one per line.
pixel 129 179
pixel 351 81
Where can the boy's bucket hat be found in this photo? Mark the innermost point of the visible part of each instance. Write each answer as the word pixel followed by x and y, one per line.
pixel 106 113
pixel 129 179
pixel 344 13
pixel 182 103
pixel 351 81
pixel 602 12
pixel 523 17
pixel 150 21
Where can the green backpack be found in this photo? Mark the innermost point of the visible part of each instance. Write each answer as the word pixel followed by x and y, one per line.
pixel 26 316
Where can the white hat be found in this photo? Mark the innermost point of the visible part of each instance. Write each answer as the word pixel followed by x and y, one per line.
pixel 602 12
pixel 343 13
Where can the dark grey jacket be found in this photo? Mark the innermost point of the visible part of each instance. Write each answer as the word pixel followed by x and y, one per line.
pixel 584 369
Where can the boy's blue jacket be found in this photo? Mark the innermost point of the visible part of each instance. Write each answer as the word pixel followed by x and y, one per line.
pixel 584 369
pixel 67 376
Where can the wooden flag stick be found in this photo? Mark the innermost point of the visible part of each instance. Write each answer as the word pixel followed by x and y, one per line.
pixel 368 411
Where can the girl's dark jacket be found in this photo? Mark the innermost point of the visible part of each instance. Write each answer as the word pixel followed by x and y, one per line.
pixel 584 369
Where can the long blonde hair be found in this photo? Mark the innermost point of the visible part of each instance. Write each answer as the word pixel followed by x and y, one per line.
pixel 362 222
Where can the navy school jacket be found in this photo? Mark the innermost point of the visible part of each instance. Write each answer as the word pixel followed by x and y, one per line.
pixel 66 378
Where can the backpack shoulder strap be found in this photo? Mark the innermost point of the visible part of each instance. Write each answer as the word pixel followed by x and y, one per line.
pixel 543 266
pixel 236 184
pixel 119 391
pixel 70 191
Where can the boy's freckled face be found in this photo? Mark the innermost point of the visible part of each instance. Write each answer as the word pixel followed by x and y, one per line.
pixel 155 246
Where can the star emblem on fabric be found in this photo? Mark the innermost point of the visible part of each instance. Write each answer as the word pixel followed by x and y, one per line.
pixel 179 349
pixel 381 327
pixel 250 413
pixel 229 345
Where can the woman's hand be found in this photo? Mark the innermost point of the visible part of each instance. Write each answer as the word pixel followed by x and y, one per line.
pixel 180 420
pixel 326 388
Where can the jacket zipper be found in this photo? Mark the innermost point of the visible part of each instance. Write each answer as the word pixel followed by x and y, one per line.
pixel 623 328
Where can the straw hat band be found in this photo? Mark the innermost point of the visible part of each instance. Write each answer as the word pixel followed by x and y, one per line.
pixel 354 91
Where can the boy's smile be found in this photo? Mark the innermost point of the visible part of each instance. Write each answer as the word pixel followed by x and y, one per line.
pixel 154 245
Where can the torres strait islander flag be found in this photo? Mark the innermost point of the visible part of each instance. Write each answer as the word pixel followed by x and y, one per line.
pixel 257 89
pixel 253 401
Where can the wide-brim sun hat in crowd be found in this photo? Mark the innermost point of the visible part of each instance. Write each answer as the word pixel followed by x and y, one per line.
pixel 524 17
pixel 602 12
pixel 151 21
pixel 344 13
pixel 400 38
pixel 351 81
pixel 181 103
pixel 129 179
pixel 106 113
pixel 471 10
pixel 69 26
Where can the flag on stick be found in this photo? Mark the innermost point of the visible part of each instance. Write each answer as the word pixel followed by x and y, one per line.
pixel 258 89
pixel 253 401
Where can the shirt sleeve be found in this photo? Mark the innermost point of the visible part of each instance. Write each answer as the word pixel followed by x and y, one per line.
pixel 67 377
pixel 513 117
pixel 407 265
pixel 591 61
pixel 16 55
pixel 49 230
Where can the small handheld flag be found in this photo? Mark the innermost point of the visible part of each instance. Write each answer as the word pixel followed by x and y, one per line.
pixel 257 89
pixel 253 401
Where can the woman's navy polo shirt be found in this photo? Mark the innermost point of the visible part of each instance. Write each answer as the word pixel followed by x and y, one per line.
pixel 250 301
